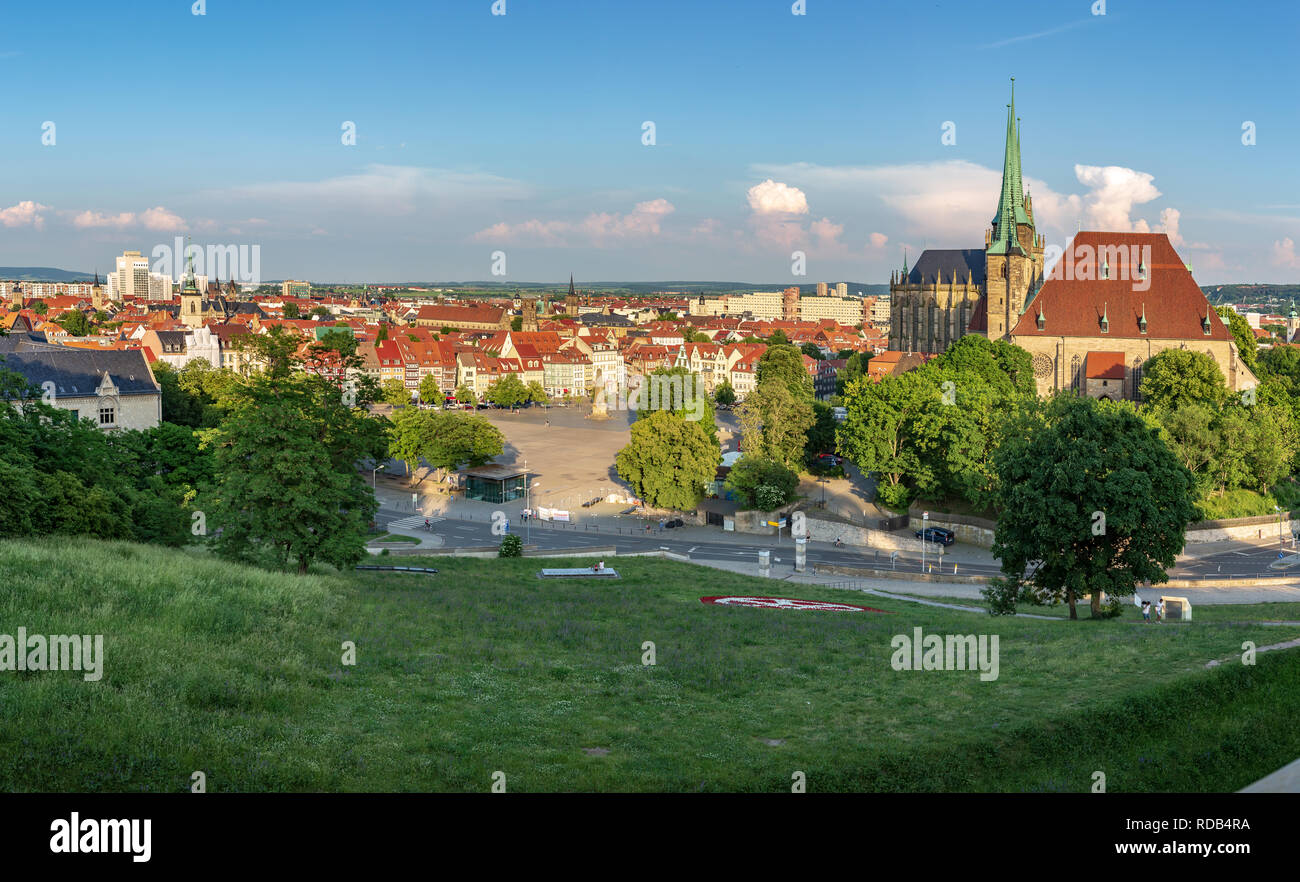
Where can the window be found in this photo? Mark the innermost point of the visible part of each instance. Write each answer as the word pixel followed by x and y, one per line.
pixel 107 416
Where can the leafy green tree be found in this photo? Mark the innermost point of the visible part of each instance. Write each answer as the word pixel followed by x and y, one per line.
pixel 879 431
pixel 762 484
pixel 430 391
pixel 1182 376
pixel 537 393
pixel 822 434
pixel 812 350
pixel 509 391
pixel 382 334
pixel 291 310
pixel 669 461
pixel 1190 433
pixel 778 338
pixel 410 431
pixel 40 307
pixel 678 390
pixel 724 393
pixel 785 363
pixel 855 366
pixel 517 323
pixel 74 322
pixel 465 395
pixel 774 423
pixel 462 439
pixel 1242 334
pixel 511 546
pixel 286 459
pixel 394 392
pixel 1092 501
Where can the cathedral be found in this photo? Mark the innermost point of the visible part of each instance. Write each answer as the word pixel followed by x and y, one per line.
pixel 950 293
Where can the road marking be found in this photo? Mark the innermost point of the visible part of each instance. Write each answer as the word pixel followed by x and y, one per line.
pixel 414 521
pixel 692 548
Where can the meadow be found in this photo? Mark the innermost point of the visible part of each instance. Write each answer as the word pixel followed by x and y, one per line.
pixel 239 673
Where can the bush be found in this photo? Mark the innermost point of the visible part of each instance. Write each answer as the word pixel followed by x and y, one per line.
pixel 1002 594
pixel 762 484
pixel 511 546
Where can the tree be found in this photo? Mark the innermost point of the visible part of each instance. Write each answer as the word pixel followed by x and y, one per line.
pixel 286 457
pixel 785 363
pixel 1242 334
pixel 1182 376
pixel 762 484
pixel 778 338
pixel 517 323
pixel 39 307
pixel 509 391
pixel 669 461
pixel 822 433
pixel 1092 501
pixel 681 392
pixel 812 350
pixel 394 392
pixel 465 395
pixel 410 431
pixel 74 322
pixel 878 433
pixel 430 391
pixel 537 392
pixel 724 393
pixel 854 366
pixel 774 423
pixel 291 310
pixel 461 439
pixel 511 546
pixel 382 334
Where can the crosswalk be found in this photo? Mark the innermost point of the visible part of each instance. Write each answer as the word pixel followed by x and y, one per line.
pixel 414 522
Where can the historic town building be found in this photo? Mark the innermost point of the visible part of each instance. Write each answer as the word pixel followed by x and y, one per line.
pixel 951 293
pixel 1112 302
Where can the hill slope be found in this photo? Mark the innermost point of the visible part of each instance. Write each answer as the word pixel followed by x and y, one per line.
pixel 238 673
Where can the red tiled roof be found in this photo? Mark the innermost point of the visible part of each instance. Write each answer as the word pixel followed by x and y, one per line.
pixel 1174 305
pixel 1104 366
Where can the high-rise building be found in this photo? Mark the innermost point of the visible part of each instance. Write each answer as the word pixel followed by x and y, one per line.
pixel 290 288
pixel 821 289
pixel 132 275
pixel 842 289
pixel 160 287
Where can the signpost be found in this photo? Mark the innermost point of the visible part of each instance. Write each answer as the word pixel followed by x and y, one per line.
pixel 925 520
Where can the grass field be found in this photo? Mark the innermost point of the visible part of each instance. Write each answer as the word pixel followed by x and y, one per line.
pixel 237 672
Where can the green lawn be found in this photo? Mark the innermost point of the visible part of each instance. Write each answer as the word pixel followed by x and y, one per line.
pixel 237 672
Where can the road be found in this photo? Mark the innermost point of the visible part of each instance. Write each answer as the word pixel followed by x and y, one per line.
pixel 1238 561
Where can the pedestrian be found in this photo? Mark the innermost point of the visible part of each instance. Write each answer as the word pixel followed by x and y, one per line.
pixel 1146 611
pixel 1160 611
pixel 661 525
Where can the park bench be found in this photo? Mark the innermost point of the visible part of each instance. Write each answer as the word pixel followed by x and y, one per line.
pixel 578 573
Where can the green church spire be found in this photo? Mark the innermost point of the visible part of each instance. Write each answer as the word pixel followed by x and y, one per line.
pixel 1011 203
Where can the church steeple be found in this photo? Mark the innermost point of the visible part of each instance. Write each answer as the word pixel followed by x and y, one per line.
pixel 1011 203
pixel 572 293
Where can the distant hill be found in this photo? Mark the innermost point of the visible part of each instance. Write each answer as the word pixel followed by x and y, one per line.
pixel 42 274
pixel 643 288
pixel 1252 293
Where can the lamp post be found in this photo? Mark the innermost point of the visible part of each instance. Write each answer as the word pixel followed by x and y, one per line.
pixel 1278 509
pixel 925 520
pixel 374 475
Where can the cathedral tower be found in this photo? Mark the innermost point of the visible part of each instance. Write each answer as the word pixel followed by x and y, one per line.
pixel 1013 249
pixel 191 297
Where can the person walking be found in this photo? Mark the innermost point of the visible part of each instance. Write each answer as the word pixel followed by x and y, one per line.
pixel 1160 611
pixel 1146 612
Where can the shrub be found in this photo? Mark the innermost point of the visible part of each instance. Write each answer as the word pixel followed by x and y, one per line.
pixel 511 546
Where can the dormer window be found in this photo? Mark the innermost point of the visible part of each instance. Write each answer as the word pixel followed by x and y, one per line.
pixel 1105 325
pixel 1142 324
pixel 1042 323
pixel 1205 325
pixel 1105 269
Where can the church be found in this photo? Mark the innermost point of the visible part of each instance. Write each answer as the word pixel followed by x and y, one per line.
pixel 1112 302
pixel 950 293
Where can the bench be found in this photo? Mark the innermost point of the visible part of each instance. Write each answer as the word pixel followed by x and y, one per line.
pixel 400 569
pixel 587 572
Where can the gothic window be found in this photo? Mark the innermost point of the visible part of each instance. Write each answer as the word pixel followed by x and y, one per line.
pixel 1074 373
pixel 1137 379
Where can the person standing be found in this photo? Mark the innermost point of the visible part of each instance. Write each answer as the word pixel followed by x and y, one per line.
pixel 1146 612
pixel 1160 611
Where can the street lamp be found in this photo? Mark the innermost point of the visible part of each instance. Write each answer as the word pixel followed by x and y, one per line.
pixel 374 473
pixel 925 520
pixel 1278 509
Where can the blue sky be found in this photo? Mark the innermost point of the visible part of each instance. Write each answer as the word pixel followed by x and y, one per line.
pixel 523 133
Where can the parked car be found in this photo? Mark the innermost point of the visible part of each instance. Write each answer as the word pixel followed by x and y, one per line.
pixel 829 459
pixel 937 534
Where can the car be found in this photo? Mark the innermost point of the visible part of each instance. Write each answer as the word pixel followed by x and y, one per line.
pixel 829 459
pixel 937 534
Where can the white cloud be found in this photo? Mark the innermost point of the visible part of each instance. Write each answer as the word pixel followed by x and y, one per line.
pixel 24 214
pixel 93 220
pixel 1114 191
pixel 772 197
pixel 878 240
pixel 159 219
pixel 1284 253
pixel 597 228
